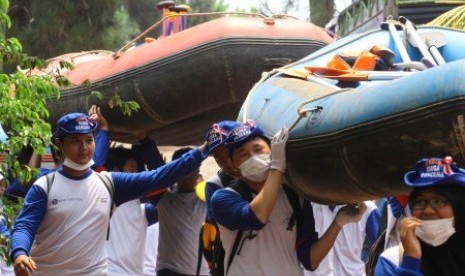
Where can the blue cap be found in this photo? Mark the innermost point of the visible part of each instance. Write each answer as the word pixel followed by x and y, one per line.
pixel 74 123
pixel 434 172
pixel 217 133
pixel 243 133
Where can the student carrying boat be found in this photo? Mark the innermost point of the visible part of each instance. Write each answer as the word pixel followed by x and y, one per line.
pixel 266 229
pixel 68 219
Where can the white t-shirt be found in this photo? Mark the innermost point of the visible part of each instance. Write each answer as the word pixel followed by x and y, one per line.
pixel 273 244
pixel 6 270
pixel 181 216
pixel 345 256
pixel 126 244
pixel 78 211
pixel 151 251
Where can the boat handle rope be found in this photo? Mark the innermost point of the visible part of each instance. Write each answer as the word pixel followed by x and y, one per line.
pixel 304 112
pixel 265 76
pixel 300 111
pixel 270 20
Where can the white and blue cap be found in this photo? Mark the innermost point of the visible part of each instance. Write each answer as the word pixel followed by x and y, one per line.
pixel 74 123
pixel 244 133
pixel 435 172
pixel 217 133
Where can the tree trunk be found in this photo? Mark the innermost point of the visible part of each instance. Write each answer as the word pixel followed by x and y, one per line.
pixel 321 12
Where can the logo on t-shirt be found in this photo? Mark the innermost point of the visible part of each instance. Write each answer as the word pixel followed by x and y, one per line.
pixel 55 201
pixel 102 199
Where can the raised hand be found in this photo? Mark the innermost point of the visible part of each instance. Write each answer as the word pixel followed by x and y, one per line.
pixel 350 214
pixel 278 150
pixel 24 265
pixel 408 237
pixel 95 114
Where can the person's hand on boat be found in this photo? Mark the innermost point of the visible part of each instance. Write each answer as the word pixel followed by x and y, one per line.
pixel 24 265
pixel 278 150
pixel 350 213
pixel 96 114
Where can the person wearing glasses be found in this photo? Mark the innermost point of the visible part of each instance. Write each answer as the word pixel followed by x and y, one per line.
pixel 433 238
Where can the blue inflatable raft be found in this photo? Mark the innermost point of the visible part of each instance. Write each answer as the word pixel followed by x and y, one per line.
pixel 353 140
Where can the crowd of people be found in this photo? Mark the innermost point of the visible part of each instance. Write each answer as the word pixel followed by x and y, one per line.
pixel 120 211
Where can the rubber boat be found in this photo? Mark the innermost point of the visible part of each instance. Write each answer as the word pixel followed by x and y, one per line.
pixel 188 80
pixel 355 133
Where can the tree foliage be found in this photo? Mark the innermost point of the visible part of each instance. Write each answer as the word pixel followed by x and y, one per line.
pixel 203 6
pixel 144 12
pixel 321 12
pixel 53 27
pixel 23 111
pixel 50 28
pixel 23 97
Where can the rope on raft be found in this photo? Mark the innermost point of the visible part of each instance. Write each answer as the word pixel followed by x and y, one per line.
pixel 454 19
pixel 144 33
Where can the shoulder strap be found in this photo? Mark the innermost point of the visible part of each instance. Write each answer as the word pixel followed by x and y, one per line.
pixel 294 200
pixel 225 178
pixel 247 194
pixel 105 178
pixel 242 189
pixel 50 179
pixel 375 251
pixel 234 249
pixel 200 252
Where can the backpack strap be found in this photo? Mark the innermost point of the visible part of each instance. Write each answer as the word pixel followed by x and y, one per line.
pixel 378 246
pixel 225 179
pixel 200 252
pixel 50 179
pixel 242 189
pixel 294 200
pixel 247 194
pixel 234 249
pixel 105 178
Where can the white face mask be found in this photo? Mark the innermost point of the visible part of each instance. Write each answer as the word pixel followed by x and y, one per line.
pixel 77 167
pixel 436 232
pixel 256 168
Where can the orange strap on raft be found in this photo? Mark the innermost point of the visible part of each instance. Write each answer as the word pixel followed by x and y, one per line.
pixel 364 60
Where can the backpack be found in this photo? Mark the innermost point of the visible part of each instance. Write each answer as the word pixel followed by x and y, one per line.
pixel 247 194
pixel 210 246
pixel 105 180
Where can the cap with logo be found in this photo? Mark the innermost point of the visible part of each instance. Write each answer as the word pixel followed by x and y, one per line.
pixel 434 172
pixel 74 123
pixel 243 133
pixel 217 133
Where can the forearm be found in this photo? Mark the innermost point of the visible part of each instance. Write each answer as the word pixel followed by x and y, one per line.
pixel 130 186
pixel 27 222
pixel 102 147
pixel 263 203
pixel 323 245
